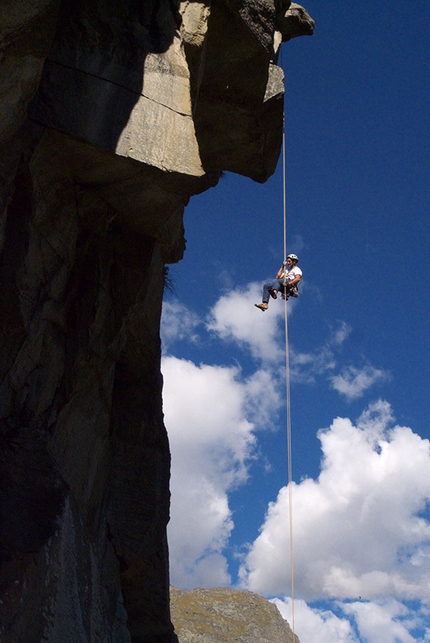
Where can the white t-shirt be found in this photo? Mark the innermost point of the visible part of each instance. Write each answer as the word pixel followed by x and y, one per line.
pixel 291 274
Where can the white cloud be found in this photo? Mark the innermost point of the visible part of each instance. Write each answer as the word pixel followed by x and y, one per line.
pixel 178 322
pixel 388 621
pixel 311 624
pixel 211 414
pixel 352 382
pixel 383 621
pixel 341 334
pixel 358 528
pixel 234 318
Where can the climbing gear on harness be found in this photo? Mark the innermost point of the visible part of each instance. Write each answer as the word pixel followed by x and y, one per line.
pixel 289 291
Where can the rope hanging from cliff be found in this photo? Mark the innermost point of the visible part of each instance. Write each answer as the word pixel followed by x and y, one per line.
pixel 287 386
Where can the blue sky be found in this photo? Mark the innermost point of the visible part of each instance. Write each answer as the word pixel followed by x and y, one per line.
pixel 358 203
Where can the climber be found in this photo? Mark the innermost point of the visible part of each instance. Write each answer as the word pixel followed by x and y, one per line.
pixel 287 279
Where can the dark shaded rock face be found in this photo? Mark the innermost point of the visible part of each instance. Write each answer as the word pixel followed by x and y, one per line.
pixel 113 115
pixel 223 615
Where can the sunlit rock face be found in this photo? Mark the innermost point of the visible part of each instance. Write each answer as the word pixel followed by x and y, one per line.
pixel 222 615
pixel 113 114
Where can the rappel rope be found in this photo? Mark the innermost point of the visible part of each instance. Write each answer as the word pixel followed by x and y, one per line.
pixel 287 385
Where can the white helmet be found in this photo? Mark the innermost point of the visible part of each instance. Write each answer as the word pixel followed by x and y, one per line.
pixel 293 258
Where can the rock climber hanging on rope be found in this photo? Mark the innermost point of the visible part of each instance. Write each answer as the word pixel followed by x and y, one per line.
pixel 287 278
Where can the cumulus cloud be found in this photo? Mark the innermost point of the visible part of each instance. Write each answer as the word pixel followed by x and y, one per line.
pixel 235 319
pixel 386 621
pixel 211 414
pixel 359 529
pixel 232 320
pixel 352 382
pixel 313 624
pixel 383 621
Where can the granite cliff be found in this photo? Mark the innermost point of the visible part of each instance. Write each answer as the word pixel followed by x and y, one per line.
pixel 113 114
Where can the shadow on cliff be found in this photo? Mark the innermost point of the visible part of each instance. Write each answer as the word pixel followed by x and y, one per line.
pixel 94 74
pixel 58 457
